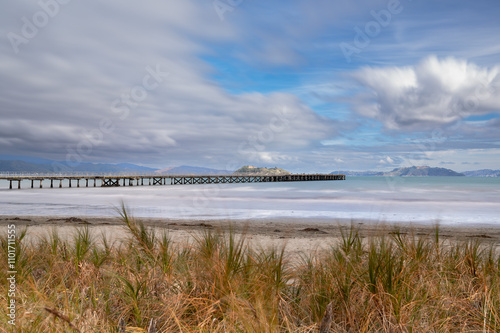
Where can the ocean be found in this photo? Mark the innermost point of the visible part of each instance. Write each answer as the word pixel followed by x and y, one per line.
pixel 447 200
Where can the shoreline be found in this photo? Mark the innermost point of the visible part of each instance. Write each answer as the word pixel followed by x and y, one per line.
pixel 200 270
pixel 306 233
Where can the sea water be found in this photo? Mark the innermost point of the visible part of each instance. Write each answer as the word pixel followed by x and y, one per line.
pixel 449 200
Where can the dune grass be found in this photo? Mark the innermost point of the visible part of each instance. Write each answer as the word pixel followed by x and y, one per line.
pixel 221 283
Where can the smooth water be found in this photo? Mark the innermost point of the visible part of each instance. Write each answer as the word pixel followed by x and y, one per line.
pixel 450 200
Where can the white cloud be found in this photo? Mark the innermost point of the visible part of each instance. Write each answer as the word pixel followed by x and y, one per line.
pixel 387 160
pixel 435 91
pixel 64 82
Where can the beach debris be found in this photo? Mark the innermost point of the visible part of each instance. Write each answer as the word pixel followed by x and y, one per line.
pixel 479 236
pixel 316 230
pixel 276 230
pixel 205 225
pixel 18 219
pixel 397 233
pixel 70 220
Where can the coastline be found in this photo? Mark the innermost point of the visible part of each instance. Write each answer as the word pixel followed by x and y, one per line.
pixel 301 258
pixel 299 235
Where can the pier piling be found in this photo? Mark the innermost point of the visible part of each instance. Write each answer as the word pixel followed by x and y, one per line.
pixel 153 180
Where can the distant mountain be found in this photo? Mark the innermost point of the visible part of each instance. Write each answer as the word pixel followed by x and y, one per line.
pixel 414 171
pixel 249 169
pixel 483 173
pixel 41 165
pixel 28 159
pixel 130 166
pixel 359 173
pixel 22 166
pixel 46 166
pixel 423 171
pixel 102 167
pixel 191 170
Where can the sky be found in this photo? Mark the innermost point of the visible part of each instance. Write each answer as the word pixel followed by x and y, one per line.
pixel 309 86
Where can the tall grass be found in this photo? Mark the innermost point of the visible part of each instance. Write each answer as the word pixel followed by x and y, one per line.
pixel 221 283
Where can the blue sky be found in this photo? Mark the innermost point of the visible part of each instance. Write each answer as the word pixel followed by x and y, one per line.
pixel 310 86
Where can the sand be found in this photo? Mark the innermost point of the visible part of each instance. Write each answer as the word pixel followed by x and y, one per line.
pixel 300 236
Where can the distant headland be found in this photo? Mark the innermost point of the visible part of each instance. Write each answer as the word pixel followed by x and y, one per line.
pixel 249 169
pixel 423 171
pixel 22 164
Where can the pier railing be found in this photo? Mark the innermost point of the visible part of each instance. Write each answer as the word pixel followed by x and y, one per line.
pixel 119 179
pixel 5 174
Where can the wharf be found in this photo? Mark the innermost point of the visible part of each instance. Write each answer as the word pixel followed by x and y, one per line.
pixel 143 180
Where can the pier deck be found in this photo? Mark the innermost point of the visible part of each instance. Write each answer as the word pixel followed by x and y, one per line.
pixel 152 180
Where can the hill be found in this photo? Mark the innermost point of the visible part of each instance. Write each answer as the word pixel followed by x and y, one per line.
pixel 423 171
pixel 23 166
pixel 358 173
pixel 191 170
pixel 29 159
pixel 483 173
pixel 28 164
pixel 248 169
pixel 414 171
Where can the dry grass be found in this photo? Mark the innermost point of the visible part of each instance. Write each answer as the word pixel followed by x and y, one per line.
pixel 219 283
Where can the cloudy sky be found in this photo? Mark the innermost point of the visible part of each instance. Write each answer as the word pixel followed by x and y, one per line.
pixel 307 85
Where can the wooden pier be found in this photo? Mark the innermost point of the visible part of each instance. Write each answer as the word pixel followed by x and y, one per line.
pixel 152 180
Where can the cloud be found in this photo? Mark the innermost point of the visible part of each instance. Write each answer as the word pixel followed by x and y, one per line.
pixel 92 67
pixel 433 92
pixel 387 160
pixel 230 81
pixel 284 34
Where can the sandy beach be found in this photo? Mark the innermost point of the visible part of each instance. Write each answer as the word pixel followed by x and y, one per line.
pixel 299 235
pixel 454 273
